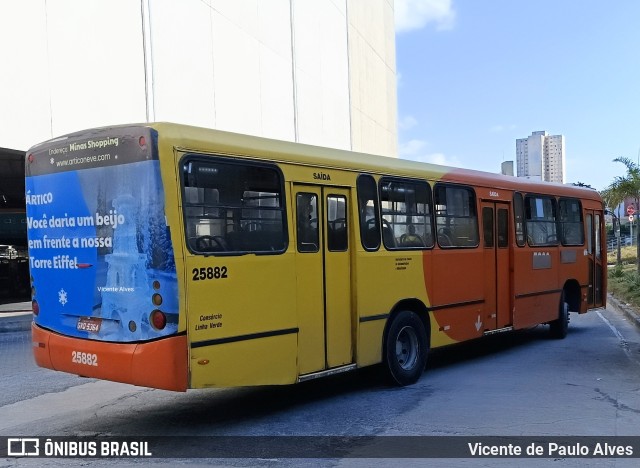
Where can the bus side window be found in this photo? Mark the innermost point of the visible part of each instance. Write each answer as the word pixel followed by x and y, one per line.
pixel 456 216
pixel 571 224
pixel 337 235
pixel 233 207
pixel 597 237
pixel 518 218
pixel 307 222
pixel 589 234
pixel 487 225
pixel 406 214
pixel 368 212
pixel 503 228
pixel 540 215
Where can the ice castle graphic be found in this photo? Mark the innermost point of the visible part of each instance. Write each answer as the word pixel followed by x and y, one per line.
pixel 125 296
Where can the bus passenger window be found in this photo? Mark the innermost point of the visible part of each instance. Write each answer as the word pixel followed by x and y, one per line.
pixel 503 228
pixel 571 225
pixel 540 215
pixel 597 237
pixel 456 216
pixel 406 214
pixel 368 212
pixel 487 226
pixel 518 218
pixel 337 235
pixel 307 222
pixel 232 207
pixel 589 234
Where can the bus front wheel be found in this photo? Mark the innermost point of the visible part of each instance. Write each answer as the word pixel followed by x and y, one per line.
pixel 405 348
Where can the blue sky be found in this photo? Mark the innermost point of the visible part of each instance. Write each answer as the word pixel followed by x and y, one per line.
pixel 475 75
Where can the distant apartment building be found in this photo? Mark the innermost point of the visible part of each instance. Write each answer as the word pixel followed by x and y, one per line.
pixel 541 157
pixel 507 168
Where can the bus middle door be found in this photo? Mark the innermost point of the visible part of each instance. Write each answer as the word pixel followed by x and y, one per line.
pixel 323 279
pixel 495 224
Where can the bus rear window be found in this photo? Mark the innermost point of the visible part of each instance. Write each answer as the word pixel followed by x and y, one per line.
pixel 233 207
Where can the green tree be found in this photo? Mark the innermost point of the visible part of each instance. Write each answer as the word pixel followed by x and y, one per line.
pixel 627 186
pixel 612 200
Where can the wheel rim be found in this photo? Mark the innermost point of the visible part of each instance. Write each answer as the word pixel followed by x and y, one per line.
pixel 407 348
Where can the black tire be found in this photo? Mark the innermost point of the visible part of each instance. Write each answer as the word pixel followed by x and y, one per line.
pixel 558 328
pixel 406 346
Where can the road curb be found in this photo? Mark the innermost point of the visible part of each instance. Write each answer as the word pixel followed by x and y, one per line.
pixel 626 309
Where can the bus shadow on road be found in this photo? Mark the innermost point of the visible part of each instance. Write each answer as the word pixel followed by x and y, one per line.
pixel 263 409
pixel 489 345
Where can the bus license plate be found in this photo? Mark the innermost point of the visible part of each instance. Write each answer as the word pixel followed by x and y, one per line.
pixel 89 324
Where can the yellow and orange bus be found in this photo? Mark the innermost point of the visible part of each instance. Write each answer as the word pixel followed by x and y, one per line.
pixel 177 257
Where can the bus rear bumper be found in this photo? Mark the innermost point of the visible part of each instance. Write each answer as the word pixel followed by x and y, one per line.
pixel 157 364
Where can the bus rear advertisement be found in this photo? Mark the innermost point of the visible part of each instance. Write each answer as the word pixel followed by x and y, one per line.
pixel 177 257
pixel 100 251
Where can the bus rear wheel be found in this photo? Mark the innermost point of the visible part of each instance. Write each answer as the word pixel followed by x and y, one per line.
pixel 559 327
pixel 405 348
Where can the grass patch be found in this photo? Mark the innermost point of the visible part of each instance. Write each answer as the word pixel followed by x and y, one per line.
pixel 624 284
pixel 627 255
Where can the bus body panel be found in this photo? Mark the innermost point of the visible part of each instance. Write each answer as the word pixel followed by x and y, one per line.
pixel 158 364
pixel 239 321
pixel 268 360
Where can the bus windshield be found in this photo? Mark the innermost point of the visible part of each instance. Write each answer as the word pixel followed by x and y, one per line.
pixel 101 258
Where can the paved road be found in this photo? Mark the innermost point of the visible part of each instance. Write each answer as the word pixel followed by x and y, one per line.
pixel 509 385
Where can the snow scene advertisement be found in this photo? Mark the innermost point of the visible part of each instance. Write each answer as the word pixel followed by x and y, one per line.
pixel 100 252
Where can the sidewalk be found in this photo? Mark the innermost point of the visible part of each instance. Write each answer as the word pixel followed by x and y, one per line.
pixel 15 316
pixel 632 314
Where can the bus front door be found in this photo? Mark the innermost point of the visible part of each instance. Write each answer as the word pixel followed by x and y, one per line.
pixel 595 253
pixel 495 225
pixel 323 279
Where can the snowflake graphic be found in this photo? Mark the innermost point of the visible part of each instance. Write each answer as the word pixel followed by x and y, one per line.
pixel 52 160
pixel 62 297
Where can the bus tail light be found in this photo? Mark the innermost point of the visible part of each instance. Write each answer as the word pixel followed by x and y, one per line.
pixel 35 307
pixel 158 319
pixel 156 299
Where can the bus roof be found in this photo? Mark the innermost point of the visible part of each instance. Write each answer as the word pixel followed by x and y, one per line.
pixel 191 138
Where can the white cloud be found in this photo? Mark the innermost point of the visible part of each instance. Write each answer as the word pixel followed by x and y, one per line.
pixel 416 14
pixel 407 122
pixel 501 128
pixel 413 150
pixel 439 158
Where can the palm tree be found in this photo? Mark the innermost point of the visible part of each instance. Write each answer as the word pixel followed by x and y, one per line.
pixel 627 186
